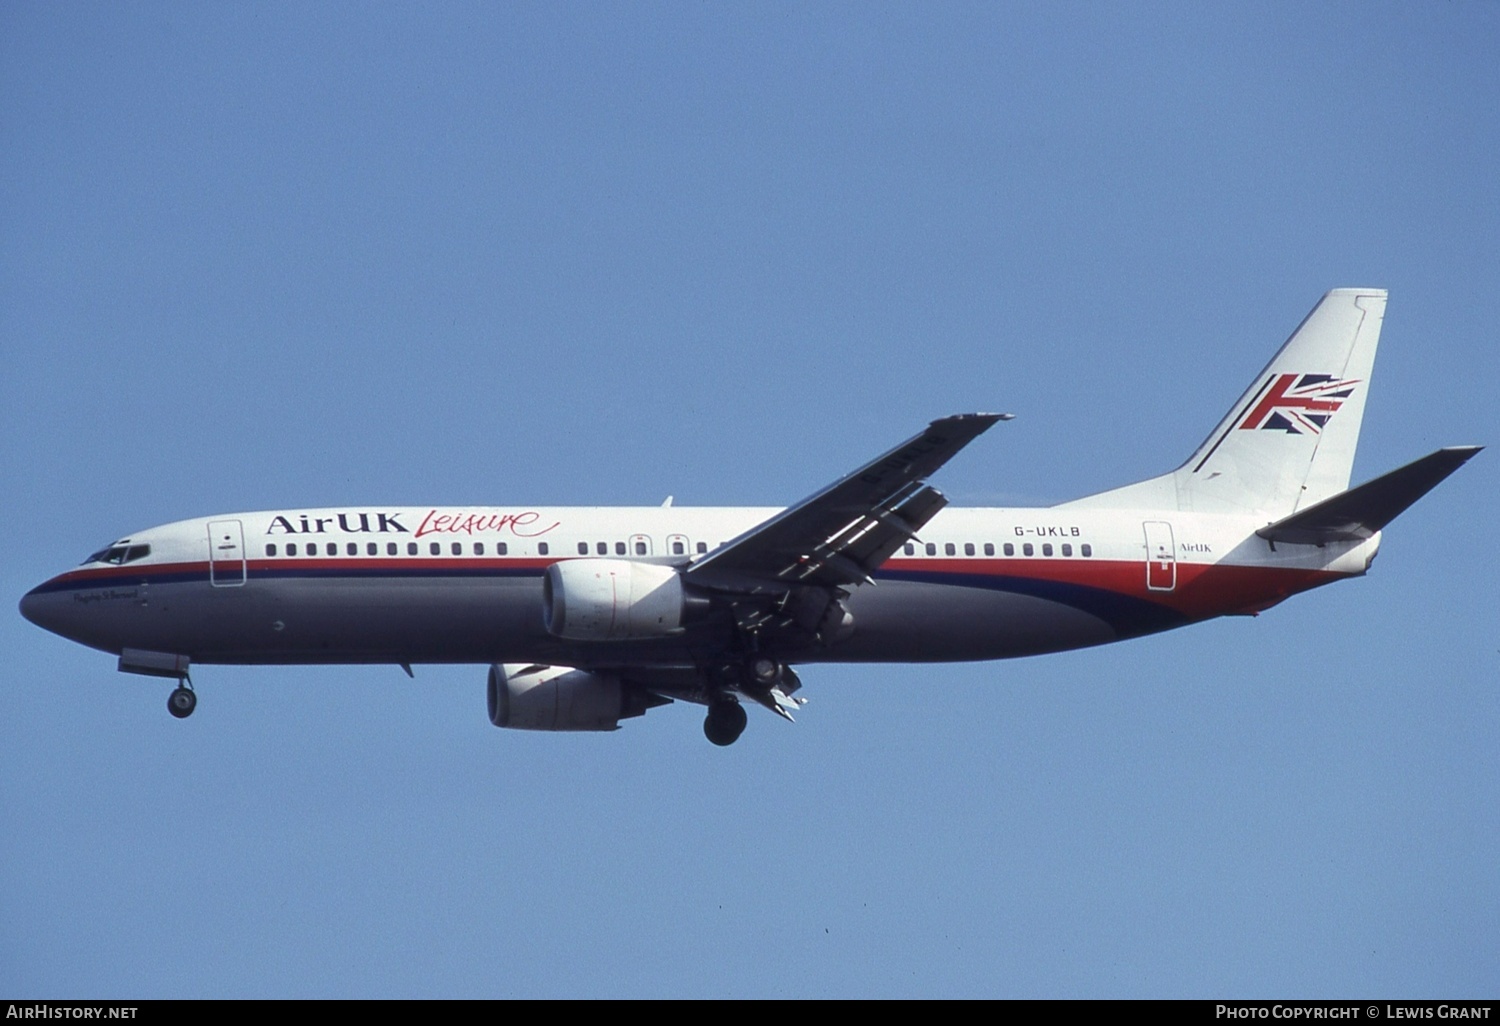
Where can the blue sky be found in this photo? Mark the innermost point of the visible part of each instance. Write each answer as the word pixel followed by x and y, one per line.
pixel 275 255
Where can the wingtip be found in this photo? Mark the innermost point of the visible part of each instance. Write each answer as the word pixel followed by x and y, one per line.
pixel 987 418
pixel 1461 453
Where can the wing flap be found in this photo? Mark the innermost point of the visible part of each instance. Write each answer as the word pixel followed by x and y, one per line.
pixel 857 551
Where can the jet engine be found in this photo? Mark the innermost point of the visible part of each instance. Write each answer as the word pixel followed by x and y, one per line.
pixel 562 698
pixel 614 600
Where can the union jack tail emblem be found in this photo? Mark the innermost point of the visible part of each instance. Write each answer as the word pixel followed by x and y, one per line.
pixel 1299 404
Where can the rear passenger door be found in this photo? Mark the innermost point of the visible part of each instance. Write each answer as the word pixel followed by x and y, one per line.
pixel 1161 556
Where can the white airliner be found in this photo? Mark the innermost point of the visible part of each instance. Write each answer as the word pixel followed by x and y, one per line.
pixel 587 616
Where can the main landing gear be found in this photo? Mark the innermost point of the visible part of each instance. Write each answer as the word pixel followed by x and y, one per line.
pixel 182 701
pixel 725 721
pixel 763 671
pixel 758 678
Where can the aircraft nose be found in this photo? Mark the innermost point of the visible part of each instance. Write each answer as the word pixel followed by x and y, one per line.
pixel 47 609
pixel 31 607
pixel 86 617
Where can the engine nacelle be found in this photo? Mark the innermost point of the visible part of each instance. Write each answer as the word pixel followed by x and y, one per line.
pixel 557 698
pixel 613 600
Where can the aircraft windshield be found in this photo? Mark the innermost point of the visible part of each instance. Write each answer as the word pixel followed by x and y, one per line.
pixel 118 554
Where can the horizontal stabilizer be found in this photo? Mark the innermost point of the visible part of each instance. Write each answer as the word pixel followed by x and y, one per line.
pixel 1360 512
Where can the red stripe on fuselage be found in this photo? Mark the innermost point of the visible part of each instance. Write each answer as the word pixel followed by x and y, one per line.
pixel 130 572
pixel 397 566
pixel 1203 589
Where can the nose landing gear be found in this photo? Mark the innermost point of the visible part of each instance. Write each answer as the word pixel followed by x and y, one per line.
pixel 182 701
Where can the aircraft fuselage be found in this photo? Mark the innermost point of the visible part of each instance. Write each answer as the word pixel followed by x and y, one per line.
pixel 464 585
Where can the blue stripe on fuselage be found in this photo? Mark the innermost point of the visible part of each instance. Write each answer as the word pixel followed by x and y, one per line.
pixel 1126 614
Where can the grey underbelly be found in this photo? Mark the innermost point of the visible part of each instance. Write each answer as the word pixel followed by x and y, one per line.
pixel 480 620
pixel 900 621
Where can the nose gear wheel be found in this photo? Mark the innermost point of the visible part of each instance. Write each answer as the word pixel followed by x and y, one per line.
pixel 182 701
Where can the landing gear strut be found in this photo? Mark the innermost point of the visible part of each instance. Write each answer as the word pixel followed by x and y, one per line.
pixel 725 722
pixel 182 701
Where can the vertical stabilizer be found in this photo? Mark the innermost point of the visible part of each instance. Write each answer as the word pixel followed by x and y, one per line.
pixel 1289 441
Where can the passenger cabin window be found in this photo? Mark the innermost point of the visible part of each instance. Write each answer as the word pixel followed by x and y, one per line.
pixel 291 548
pixel 640 548
pixel 583 548
pixel 1027 550
pixel 1010 550
pixel 541 548
pixel 411 548
pixel 702 547
pixel 1047 548
pixel 619 548
pixel 949 549
pixel 372 549
pixel 479 548
pixel 968 548
pixel 390 548
pixel 1067 549
pixel 989 548
pixel 909 549
pixel 458 548
pixel 932 548
pixel 601 548
pixel 312 548
pixel 435 549
pixel 271 549
pixel 352 548
pixel 678 548
pixel 1086 549
pixel 501 549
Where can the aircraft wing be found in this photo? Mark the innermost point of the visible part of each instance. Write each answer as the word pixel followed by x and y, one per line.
pixel 840 535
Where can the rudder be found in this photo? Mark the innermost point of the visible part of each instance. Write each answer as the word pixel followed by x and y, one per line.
pixel 1289 441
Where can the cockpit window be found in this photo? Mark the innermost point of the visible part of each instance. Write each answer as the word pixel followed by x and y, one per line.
pixel 118 554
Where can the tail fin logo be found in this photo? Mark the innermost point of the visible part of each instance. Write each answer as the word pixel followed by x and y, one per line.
pixel 1299 404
